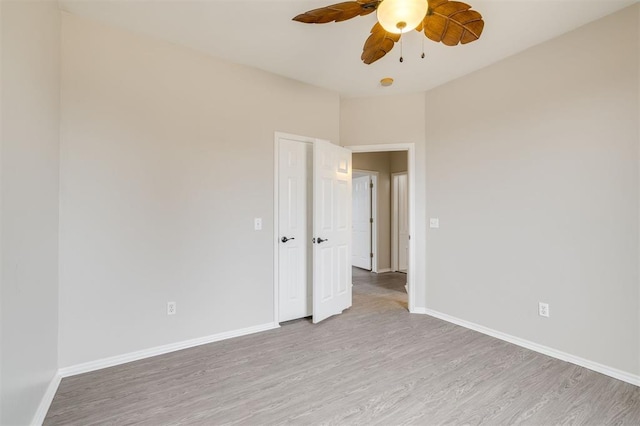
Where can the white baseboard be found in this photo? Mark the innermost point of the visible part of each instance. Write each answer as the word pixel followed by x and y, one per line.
pixel 46 401
pixel 159 350
pixel 383 270
pixel 591 365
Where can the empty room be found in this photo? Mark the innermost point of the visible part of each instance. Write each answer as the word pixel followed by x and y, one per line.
pixel 256 212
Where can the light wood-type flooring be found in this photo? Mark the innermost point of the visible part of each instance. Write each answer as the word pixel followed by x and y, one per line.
pixel 375 364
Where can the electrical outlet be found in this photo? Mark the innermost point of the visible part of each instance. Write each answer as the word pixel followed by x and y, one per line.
pixel 543 309
pixel 434 222
pixel 171 308
pixel 257 224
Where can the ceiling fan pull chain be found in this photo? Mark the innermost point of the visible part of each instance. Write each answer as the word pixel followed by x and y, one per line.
pixel 422 56
pixel 401 58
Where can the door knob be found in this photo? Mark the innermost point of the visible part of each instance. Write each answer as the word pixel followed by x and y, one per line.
pixel 320 240
pixel 285 239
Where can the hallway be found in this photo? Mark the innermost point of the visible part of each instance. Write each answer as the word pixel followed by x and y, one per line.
pixel 389 287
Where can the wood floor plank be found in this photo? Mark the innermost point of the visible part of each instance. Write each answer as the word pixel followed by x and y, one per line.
pixel 375 364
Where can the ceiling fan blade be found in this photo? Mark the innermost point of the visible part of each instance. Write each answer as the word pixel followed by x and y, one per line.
pixel 379 43
pixel 432 5
pixel 436 3
pixel 452 22
pixel 338 12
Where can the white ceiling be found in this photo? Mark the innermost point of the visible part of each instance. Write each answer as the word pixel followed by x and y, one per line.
pixel 260 33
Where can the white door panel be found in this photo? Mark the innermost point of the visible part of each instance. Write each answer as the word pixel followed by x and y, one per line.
pixel 361 222
pixel 294 164
pixel 331 230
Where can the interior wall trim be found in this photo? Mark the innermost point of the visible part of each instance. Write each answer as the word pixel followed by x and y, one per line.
pixel 159 350
pixel 46 401
pixel 633 379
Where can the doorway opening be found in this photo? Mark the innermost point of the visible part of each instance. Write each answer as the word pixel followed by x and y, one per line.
pixel 392 248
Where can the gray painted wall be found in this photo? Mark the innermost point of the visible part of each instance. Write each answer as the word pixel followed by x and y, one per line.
pixel 166 158
pixel 30 87
pixel 535 181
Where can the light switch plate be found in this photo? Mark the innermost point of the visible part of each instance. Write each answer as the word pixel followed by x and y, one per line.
pixel 257 224
pixel 434 222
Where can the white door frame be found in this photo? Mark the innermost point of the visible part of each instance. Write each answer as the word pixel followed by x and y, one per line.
pixel 395 235
pixel 411 172
pixel 276 216
pixel 374 214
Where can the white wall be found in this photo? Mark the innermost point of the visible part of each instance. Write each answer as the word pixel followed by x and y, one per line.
pixel 166 158
pixel 535 181
pixel 29 214
pixel 389 120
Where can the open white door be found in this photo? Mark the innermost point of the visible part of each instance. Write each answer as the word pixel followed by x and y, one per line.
pixel 331 230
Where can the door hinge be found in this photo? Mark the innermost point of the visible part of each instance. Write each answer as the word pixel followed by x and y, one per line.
pixel 370 254
pixel 371 220
pixel 371 185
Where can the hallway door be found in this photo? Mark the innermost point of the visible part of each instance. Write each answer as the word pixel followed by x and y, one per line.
pixel 362 222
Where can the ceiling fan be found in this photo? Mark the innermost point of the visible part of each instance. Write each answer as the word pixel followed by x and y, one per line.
pixel 449 22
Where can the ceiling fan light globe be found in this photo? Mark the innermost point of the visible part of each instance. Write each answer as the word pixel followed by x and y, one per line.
pixel 401 16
